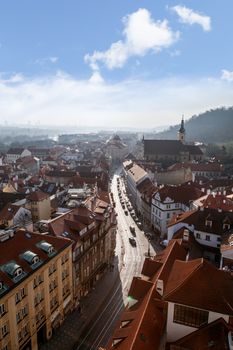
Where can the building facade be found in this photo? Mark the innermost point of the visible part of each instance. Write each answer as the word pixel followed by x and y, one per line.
pixel 35 288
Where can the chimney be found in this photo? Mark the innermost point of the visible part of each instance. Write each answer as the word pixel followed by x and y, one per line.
pixel 159 287
pixel 186 235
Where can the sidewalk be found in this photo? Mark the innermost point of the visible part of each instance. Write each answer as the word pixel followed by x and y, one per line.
pixel 68 334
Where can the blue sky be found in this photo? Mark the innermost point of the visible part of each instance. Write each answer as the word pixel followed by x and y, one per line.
pixel 114 63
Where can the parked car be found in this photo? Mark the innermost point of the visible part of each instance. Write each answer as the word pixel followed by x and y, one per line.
pixel 132 230
pixel 139 224
pixel 132 241
pixel 126 212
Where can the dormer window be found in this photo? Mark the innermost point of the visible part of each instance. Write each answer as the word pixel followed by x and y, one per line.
pixel 46 247
pixel 18 272
pixel 125 323
pixel 31 258
pixel 13 270
pixel 117 341
pixel 226 226
pixel 208 223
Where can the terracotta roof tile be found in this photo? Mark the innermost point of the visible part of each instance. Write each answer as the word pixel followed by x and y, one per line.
pixel 37 196
pixel 190 283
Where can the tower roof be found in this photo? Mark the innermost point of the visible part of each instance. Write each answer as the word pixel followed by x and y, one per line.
pixel 182 129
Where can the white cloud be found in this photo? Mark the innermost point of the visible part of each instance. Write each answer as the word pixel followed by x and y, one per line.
pixel 13 79
pixel 227 75
pixel 140 35
pixel 96 78
pixel 53 59
pixel 45 60
pixel 189 16
pixel 175 53
pixel 64 100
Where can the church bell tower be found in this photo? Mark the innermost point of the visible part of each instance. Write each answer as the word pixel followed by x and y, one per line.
pixel 181 132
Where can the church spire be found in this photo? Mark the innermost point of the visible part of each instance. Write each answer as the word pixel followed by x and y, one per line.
pixel 182 129
pixel 181 133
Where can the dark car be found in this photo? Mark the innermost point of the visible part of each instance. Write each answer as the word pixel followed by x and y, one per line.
pixel 126 212
pixel 132 230
pixel 132 241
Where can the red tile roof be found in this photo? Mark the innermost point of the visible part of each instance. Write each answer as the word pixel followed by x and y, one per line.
pixel 198 218
pixel 198 275
pixel 218 201
pixel 37 196
pixel 11 250
pixel 183 193
pixel 200 167
pixel 9 211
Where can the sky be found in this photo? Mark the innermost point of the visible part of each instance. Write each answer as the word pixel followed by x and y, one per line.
pixel 114 64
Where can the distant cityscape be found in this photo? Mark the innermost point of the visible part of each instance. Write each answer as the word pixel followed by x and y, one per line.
pixel 114 241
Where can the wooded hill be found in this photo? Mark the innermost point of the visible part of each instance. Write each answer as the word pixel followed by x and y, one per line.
pixel 214 126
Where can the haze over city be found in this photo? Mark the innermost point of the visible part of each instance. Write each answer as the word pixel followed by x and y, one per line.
pixel 119 64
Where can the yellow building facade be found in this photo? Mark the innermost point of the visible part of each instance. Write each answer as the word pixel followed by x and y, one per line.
pixel 35 288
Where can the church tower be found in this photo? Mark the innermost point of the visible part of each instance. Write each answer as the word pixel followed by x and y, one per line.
pixel 181 132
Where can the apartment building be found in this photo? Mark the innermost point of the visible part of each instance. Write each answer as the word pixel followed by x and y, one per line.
pixel 35 287
pixel 39 204
pixel 169 201
pixel 92 228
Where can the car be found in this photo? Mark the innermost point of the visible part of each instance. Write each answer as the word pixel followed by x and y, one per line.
pixel 139 224
pixel 126 212
pixel 132 241
pixel 164 243
pixel 132 230
pixel 123 206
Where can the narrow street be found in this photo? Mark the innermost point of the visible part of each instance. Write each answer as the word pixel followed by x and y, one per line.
pixel 90 331
pixel 130 260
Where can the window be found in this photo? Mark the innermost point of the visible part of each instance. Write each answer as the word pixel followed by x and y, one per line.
pixel 17 298
pixel 24 311
pixel 168 215
pixel 52 269
pixel 168 206
pixel 38 298
pixel 208 223
pixel 226 226
pixel 18 317
pixel 198 236
pixel 53 302
pixel 23 293
pixel 25 330
pixel 52 285
pixel 5 330
pixel 2 309
pixel 37 280
pixel 19 336
pixel 207 237
pixel 189 316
